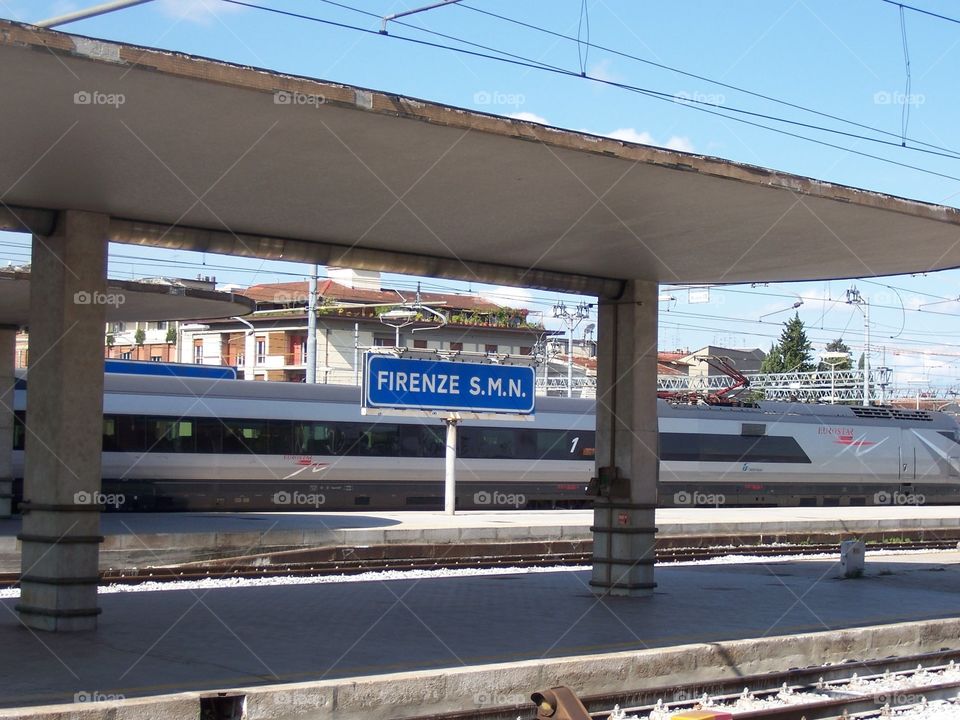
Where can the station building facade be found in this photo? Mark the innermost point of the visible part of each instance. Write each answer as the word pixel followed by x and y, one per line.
pixel 352 315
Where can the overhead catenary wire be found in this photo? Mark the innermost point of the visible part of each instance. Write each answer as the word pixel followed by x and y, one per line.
pixel 907 97
pixel 21 252
pixel 712 81
pixel 922 11
pixel 583 37
pixel 659 95
pixel 771 334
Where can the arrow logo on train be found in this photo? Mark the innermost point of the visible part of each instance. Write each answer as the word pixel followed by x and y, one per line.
pixel 851 441
pixel 314 468
pixel 860 446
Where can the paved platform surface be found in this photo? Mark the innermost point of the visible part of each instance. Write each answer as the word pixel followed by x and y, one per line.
pixel 142 539
pixel 670 520
pixel 172 640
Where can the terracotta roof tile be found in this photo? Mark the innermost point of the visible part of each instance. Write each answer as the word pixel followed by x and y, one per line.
pixel 296 292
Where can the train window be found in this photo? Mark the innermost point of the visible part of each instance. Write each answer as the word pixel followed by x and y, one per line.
pixel 951 435
pixel 169 435
pixel 730 448
pixel 124 433
pixel 525 444
pixel 774 449
pixel 349 438
pixel 553 445
pixel 486 442
pixel 427 441
pixel 109 433
pixel 381 440
pixel 209 433
pixel 19 431
pixel 246 436
pixel 753 429
pixel 314 438
pixel 281 437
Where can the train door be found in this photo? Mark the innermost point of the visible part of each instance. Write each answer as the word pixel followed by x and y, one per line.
pixel 917 466
pixel 907 471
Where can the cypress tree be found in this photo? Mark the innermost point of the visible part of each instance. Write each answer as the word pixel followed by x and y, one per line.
pixel 792 352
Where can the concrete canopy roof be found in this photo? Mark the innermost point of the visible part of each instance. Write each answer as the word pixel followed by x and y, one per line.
pixel 127 300
pixel 324 168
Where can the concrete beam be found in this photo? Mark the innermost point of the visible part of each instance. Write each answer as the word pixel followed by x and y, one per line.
pixel 8 335
pixel 24 219
pixel 131 232
pixel 275 248
pixel 627 460
pixel 61 511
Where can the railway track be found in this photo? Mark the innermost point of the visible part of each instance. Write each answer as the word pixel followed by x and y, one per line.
pixel 352 561
pixel 853 691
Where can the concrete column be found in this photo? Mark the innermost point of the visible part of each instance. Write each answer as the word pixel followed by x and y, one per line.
pixel 627 443
pixel 8 349
pixel 61 509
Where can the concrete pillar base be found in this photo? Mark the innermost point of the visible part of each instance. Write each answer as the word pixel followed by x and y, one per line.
pixel 61 493
pixel 627 443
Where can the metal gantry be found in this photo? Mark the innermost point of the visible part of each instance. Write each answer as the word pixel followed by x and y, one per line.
pixel 571 317
pixel 818 386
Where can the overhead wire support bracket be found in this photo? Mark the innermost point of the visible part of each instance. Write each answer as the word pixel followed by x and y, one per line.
pixel 394 16
pixel 102 9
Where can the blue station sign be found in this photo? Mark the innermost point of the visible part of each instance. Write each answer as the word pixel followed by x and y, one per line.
pixel 415 384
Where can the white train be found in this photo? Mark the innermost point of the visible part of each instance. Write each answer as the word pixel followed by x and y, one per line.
pixel 195 444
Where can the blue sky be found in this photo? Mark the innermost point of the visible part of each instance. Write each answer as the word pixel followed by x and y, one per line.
pixel 843 58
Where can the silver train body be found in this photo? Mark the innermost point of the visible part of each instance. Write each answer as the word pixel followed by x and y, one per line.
pixel 188 444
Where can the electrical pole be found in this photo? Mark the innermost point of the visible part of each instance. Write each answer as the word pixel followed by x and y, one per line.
pixel 855 298
pixel 571 318
pixel 450 468
pixel 312 326
pixel 356 354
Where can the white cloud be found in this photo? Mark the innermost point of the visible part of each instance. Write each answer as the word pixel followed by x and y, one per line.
pixel 602 71
pixel 529 117
pixel 674 142
pixel 631 135
pixel 679 142
pixel 509 296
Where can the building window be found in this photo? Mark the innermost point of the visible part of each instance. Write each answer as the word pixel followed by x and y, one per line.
pixel 241 361
pixel 118 327
pixel 126 355
pixel 198 352
pixel 160 325
pixel 156 358
pixel 298 349
pixel 526 350
pixel 457 346
pixel 491 348
pixel 420 344
pixel 384 341
pixel 261 351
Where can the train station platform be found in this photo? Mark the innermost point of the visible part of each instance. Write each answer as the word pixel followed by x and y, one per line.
pixel 136 539
pixel 408 647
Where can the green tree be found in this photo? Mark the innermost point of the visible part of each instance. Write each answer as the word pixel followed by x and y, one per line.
pixel 773 362
pixel 836 346
pixel 171 336
pixel 792 352
pixel 140 336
